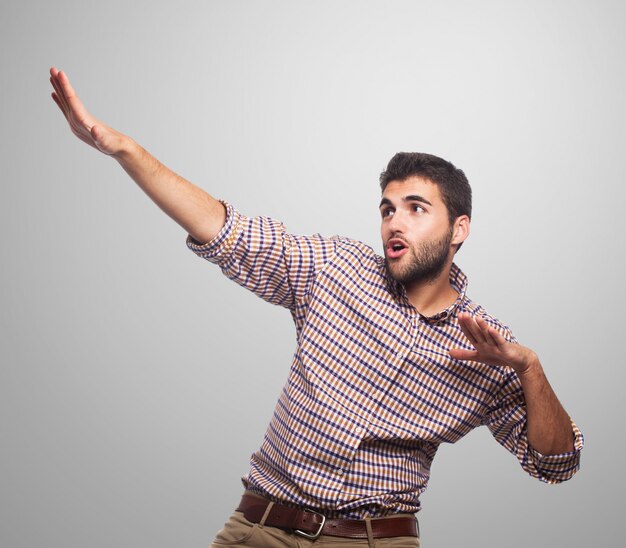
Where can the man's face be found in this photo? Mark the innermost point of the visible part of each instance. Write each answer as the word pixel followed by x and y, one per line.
pixel 416 231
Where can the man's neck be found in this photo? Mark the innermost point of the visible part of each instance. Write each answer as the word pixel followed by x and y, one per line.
pixel 432 297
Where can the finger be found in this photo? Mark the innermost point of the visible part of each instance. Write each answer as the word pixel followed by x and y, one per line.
pixel 54 78
pixel 471 329
pixel 58 102
pixel 463 324
pixel 74 123
pixel 484 328
pixel 53 73
pixel 462 354
pixel 74 103
pixel 490 333
pixel 59 93
pixel 497 339
pixel 66 85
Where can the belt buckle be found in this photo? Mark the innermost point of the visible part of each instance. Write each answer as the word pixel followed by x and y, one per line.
pixel 318 532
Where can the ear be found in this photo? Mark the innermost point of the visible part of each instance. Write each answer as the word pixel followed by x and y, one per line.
pixel 461 229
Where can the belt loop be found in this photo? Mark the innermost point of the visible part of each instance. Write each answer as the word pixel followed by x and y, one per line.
pixel 370 534
pixel 266 513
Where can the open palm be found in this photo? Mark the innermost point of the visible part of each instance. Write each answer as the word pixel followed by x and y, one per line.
pixel 490 346
pixel 86 127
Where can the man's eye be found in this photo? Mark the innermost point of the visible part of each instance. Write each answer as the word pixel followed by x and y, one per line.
pixel 386 213
pixel 418 208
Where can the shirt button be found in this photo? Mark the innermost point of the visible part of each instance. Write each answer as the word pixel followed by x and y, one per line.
pixel 358 430
pixel 339 471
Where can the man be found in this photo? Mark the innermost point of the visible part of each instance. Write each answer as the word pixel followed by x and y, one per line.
pixel 393 358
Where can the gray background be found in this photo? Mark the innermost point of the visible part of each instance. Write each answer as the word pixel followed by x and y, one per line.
pixel 135 381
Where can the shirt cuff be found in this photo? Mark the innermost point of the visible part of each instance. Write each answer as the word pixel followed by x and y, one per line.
pixel 221 245
pixel 561 467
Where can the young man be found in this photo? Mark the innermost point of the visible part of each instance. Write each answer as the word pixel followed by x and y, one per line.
pixel 393 358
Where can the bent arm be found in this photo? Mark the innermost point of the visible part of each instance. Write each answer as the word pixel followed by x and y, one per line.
pixel 192 208
pixel 549 426
pixel 550 429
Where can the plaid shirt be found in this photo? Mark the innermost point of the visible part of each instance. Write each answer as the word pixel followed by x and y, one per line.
pixel 372 391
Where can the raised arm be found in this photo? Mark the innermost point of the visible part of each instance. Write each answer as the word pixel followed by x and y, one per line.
pixel 192 208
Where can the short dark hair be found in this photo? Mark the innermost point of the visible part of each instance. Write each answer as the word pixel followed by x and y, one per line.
pixel 453 184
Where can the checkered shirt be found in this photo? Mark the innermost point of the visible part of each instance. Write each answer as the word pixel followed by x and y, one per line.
pixel 372 391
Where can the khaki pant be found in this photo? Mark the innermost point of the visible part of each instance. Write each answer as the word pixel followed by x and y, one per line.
pixel 240 532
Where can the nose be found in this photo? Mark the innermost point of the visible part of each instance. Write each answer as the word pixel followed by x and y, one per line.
pixel 397 223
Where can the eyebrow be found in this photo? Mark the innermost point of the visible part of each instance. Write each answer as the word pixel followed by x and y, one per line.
pixel 409 198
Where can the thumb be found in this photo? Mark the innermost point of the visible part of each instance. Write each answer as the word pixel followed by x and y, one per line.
pixel 460 354
pixel 102 139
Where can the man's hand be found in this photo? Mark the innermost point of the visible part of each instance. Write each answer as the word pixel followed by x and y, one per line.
pixel 491 347
pixel 87 128
pixel 197 212
pixel 549 426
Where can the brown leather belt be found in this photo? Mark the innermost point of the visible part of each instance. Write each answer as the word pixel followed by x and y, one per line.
pixel 312 524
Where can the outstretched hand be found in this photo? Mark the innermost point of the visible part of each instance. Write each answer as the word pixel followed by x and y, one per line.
pixel 490 346
pixel 87 128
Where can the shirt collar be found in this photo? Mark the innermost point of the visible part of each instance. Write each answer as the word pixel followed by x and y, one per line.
pixel 458 281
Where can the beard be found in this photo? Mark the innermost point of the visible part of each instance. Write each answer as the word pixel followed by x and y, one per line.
pixel 423 263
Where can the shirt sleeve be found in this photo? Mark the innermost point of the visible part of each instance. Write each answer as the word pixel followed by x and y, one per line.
pixel 507 421
pixel 260 255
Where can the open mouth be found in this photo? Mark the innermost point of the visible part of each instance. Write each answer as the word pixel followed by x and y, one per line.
pixel 396 248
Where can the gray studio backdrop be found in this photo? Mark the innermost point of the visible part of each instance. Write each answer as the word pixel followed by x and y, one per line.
pixel 135 381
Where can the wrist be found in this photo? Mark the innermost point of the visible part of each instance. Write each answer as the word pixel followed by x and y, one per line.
pixel 529 365
pixel 127 150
